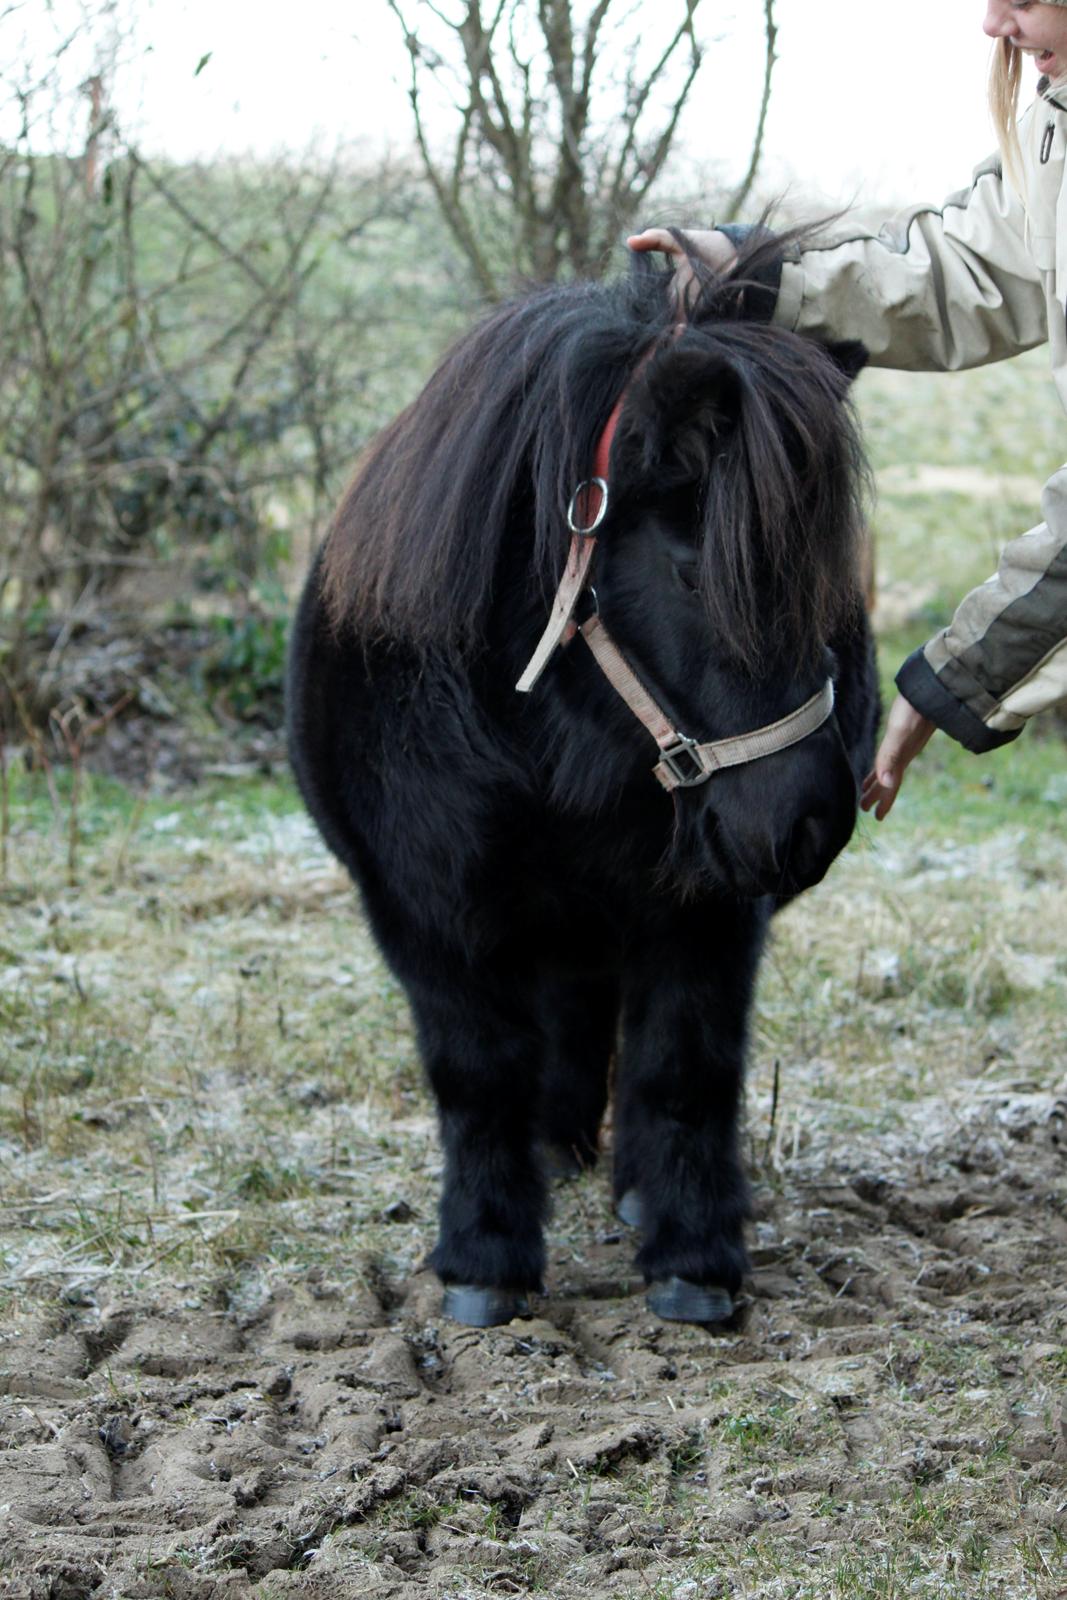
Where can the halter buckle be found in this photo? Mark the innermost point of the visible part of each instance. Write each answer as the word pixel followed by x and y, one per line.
pixel 683 764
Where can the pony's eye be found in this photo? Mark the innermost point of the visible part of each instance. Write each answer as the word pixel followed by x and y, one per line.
pixel 684 558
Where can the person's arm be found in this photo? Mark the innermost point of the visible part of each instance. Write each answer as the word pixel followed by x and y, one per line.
pixel 1003 657
pixel 933 289
pixel 944 289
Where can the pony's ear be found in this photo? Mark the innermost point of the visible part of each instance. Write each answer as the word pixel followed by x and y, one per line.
pixel 674 416
pixel 850 356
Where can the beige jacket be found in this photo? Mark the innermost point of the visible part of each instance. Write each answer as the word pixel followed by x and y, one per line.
pixel 976 281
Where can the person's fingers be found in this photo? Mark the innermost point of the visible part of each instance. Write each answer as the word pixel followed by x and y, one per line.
pixel 877 796
pixel 884 806
pixel 882 783
pixel 655 239
pixel 907 732
pixel 890 763
pixel 710 244
pixel 685 288
pixel 869 791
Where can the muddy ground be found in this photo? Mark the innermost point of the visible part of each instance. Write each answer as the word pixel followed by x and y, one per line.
pixel 338 1438
pixel 283 1411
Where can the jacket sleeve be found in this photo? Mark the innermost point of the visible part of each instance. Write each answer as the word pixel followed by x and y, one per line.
pixel 932 290
pixel 1003 656
pixel 940 290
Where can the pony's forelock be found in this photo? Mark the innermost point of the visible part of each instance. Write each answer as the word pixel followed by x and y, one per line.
pixel 758 422
pixel 783 513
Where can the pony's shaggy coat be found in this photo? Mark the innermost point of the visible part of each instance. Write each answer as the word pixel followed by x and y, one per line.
pixel 547 907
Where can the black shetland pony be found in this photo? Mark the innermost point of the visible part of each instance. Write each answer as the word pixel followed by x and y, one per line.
pixel 551 904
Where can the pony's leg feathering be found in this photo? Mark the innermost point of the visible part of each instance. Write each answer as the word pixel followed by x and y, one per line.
pixel 678 1174
pixel 579 1018
pixel 482 1054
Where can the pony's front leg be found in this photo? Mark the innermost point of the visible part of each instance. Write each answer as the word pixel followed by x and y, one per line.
pixel 578 1018
pixel 482 1054
pixel 678 1173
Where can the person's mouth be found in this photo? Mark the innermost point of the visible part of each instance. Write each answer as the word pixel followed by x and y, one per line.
pixel 1045 60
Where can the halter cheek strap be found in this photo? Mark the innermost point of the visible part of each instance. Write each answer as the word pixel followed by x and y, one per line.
pixel 560 628
pixel 583 519
pixel 683 763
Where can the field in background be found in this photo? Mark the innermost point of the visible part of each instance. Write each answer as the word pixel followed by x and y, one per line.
pixel 222 1372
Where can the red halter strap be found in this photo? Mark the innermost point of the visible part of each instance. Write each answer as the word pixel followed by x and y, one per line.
pixel 583 520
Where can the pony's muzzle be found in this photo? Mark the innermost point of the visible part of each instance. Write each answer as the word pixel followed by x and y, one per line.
pixel 781 839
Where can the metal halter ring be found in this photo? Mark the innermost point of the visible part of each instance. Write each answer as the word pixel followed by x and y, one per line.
pixel 572 510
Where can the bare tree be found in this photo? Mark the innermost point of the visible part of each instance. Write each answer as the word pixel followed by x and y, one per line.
pixel 181 347
pixel 561 124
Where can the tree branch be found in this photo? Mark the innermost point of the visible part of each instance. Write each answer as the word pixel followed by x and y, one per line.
pixel 741 193
pixel 447 193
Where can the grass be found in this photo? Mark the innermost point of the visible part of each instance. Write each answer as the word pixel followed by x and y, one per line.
pixel 212 945
pixel 206 1077
pixel 141 1009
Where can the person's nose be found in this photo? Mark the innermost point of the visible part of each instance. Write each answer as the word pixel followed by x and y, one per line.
pixel 1000 21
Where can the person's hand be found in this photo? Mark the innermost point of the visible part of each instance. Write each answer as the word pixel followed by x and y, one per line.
pixel 907 732
pixel 709 244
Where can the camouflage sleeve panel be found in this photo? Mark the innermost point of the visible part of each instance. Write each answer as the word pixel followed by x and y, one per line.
pixel 1003 657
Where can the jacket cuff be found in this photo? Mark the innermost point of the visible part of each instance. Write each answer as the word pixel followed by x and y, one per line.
pixel 790 295
pixel 922 688
pixel 761 295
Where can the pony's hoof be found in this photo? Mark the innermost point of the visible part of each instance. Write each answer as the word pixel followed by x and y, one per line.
pixel 482 1308
pixel 678 1300
pixel 630 1210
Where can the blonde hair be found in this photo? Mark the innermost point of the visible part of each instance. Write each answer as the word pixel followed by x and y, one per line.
pixel 1005 76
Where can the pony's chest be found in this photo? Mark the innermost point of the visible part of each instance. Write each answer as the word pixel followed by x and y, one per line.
pixel 573 891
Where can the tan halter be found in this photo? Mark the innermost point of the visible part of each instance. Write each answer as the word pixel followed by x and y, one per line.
pixel 683 763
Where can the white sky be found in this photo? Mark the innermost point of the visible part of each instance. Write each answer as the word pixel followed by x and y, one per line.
pixel 874 100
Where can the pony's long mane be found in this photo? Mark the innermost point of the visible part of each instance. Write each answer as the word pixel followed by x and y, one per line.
pixel 506 427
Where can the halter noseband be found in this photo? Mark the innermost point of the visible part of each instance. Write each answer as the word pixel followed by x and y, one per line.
pixel 683 763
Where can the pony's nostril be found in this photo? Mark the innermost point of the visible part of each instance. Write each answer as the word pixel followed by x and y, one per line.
pixel 813 844
pixel 805 845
